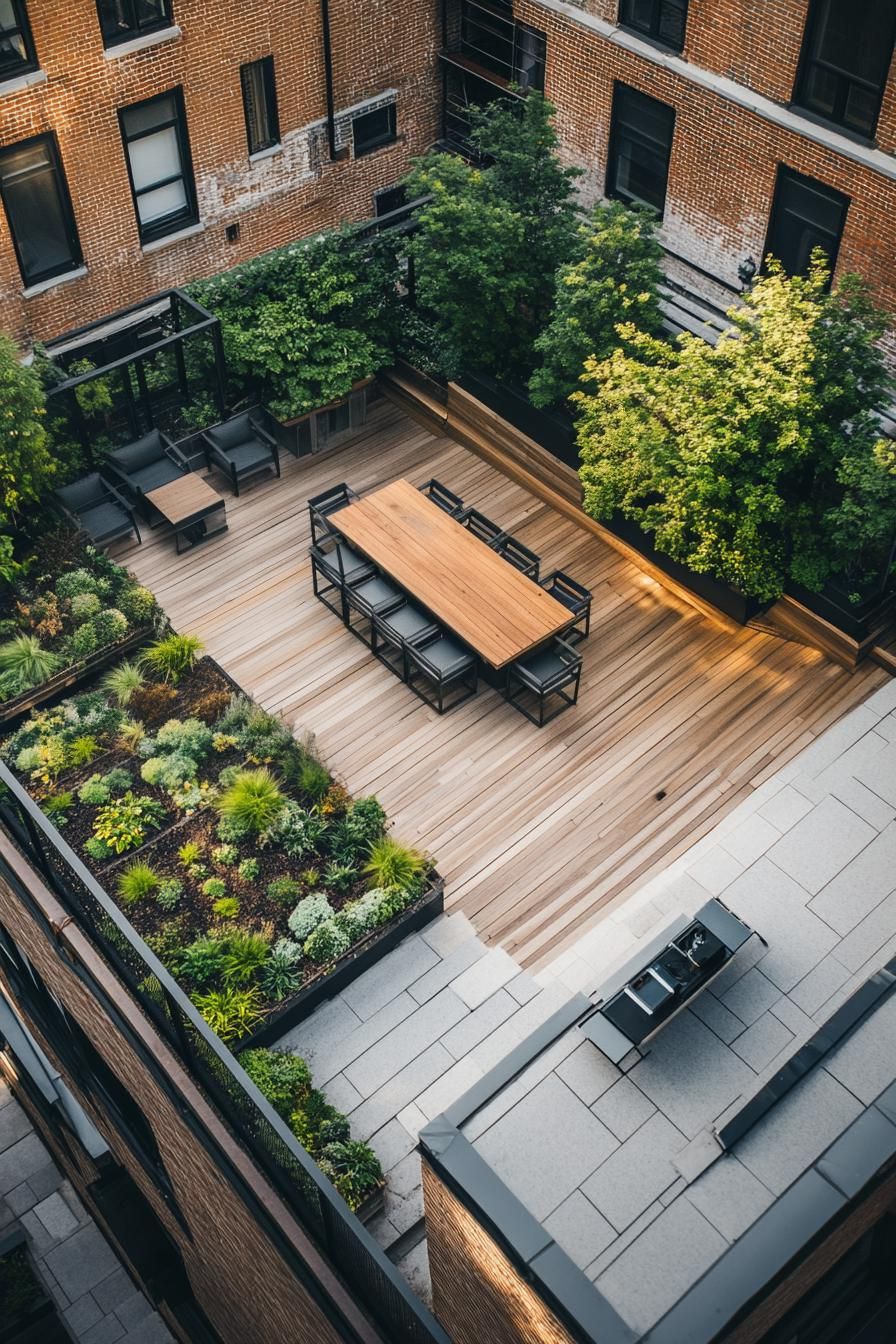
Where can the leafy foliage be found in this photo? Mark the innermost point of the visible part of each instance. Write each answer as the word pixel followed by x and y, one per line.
pixel 25 663
pixel 171 657
pixel 310 912
pixel 252 802
pixel 125 822
pixel 137 881
pixel 26 465
pixel 231 1012
pixel 391 864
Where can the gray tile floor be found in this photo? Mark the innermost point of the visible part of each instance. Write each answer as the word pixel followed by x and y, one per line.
pixel 95 1295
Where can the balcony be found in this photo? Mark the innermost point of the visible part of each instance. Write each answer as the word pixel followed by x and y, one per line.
pixel 489 55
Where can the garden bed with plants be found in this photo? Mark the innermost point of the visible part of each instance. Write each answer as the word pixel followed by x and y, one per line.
pixel 253 875
pixel 66 612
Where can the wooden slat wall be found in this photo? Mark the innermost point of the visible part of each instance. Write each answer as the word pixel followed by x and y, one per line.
pixel 535 831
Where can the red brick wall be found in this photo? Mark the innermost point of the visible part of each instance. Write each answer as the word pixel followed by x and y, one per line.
pixel 379 45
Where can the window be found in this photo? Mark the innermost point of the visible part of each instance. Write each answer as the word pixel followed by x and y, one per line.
pixel 846 55
pixel 38 208
pixel 805 214
pixel 260 104
pixel 662 20
pixel 496 42
pixel 17 54
pixel 640 143
pixel 158 157
pixel 373 129
pixel 122 20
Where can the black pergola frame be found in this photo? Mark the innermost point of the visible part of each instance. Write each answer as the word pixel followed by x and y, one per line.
pixel 80 338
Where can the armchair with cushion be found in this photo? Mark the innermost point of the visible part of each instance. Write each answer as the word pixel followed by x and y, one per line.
pixel 146 464
pixel 241 448
pixel 94 506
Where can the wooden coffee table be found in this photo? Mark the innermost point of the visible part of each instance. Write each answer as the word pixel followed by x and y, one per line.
pixel 192 507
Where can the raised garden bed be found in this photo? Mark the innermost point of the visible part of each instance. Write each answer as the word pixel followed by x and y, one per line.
pixel 325 427
pixel 860 620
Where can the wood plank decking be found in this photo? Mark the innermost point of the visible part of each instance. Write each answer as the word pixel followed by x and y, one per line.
pixel 535 831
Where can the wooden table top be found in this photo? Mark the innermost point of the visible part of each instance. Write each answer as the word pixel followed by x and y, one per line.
pixel 183 498
pixel 487 603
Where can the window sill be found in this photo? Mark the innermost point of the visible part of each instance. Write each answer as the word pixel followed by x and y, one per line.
pixel 269 153
pixel 867 141
pixel 141 43
pixel 18 82
pixel 32 291
pixel 170 238
pixel 375 149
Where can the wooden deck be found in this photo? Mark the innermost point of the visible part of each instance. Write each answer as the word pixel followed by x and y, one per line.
pixel 535 831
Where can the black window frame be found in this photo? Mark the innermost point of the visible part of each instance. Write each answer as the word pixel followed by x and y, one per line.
pixel 135 28
pixel 386 138
pixel 808 62
pixel 654 30
pixel 623 92
pixel 173 223
pixel 265 64
pixel 76 260
pixel 22 29
pixel 784 175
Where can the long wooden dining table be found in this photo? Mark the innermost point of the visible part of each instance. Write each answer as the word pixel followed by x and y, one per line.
pixel 494 609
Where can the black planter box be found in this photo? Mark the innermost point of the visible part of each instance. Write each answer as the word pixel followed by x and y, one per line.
pixel 552 430
pixel 859 620
pixel 347 968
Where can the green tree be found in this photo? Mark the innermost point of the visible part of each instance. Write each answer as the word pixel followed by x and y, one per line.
pixel 616 280
pixel 25 462
pixel 750 460
pixel 489 242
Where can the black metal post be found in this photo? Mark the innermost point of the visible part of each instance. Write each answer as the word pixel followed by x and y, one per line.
pixel 328 77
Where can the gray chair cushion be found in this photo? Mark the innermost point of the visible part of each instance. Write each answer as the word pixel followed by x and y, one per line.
pixel 246 456
pixel 82 494
pixel 233 432
pixel 446 656
pixel 408 621
pixel 151 477
pixel 105 521
pixel 139 454
pixel 542 667
pixel 375 592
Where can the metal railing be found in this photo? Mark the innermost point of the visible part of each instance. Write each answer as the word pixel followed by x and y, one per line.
pixel 357 1259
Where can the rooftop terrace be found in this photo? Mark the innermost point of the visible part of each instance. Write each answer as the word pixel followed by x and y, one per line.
pixel 535 832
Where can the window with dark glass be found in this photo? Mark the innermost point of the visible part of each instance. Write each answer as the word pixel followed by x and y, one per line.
pixel 847 52
pixel 641 133
pixel 158 157
pixel 17 54
pixel 122 20
pixel 39 210
pixel 663 21
pixel 373 129
pixel 260 104
pixel 805 214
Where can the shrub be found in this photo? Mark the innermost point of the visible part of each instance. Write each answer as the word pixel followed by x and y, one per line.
pixel 312 1118
pixel 308 914
pixel 122 682
pixel 136 882
pixel 353 1167
pixel 227 907
pixel 391 864
pixel 189 853
pixel 313 779
pixel 110 626
pixel 327 942
pixel 57 805
pixel 190 736
pixel 248 870
pixel 339 877
pixel 284 1080
pixel 26 464
pixel 230 1012
pixel 223 742
pixel 244 955
pixel 200 961
pixel 52 758
pixel 24 663
pixel 151 702
pixel 252 802
pixel 97 849
pixel 137 603
pixel 296 831
pixel 76 582
pixel 84 641
pixel 392 903
pixel 351 837
pixel 84 606
pixel 83 750
pixel 131 735
pixel 169 892
pixel 359 917
pixel 283 890
pixel 211 706
pixel 118 779
pixel 171 657
pixel 169 772
pixel 335 802
pixel 125 822
pixel 95 791
pixel 226 855
pixel 214 887
pixel 263 737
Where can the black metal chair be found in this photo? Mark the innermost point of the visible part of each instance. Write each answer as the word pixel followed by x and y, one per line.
pixel 518 555
pixel 332 569
pixel 481 527
pixel 241 448
pixel 446 499
pixel 442 672
pixel 555 671
pixel 94 506
pixel 323 506
pixel 393 633
pixel 367 598
pixel 576 598
pixel 145 465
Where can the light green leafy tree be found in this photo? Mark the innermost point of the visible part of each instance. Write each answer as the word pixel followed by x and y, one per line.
pixel 757 459
pixel 615 280
pixel 25 462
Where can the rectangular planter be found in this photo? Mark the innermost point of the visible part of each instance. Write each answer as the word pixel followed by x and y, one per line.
pixel 347 968
pixel 325 427
pixel 552 430
pixel 70 676
pixel 858 620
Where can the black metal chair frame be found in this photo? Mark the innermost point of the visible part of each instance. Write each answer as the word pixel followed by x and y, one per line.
pixel 520 556
pixel 464 680
pixel 484 529
pixel 321 507
pixel 216 456
pixel 443 498
pixel 391 649
pixel 580 607
pixel 569 675
pixel 169 450
pixel 328 577
pixel 109 495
